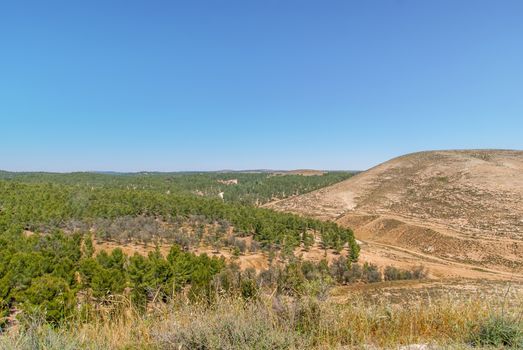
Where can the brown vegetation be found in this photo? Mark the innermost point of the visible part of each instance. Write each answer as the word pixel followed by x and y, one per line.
pixel 279 323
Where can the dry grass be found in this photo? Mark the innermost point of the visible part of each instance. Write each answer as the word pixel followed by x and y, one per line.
pixel 272 323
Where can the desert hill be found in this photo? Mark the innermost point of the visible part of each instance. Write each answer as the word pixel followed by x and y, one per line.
pixel 459 212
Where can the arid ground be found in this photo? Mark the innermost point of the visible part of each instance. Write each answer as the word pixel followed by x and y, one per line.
pixel 458 213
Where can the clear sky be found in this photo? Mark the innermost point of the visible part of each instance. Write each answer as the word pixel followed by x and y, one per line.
pixel 202 85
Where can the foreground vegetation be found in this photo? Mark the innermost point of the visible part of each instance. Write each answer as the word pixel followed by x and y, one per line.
pixel 57 276
pixel 279 323
pixel 66 297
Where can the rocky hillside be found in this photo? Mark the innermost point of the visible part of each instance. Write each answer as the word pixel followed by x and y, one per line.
pixel 462 206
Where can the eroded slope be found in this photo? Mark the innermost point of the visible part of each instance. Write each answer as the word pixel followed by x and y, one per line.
pixel 460 206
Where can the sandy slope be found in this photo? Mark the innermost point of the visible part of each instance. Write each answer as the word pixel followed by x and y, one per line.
pixel 459 211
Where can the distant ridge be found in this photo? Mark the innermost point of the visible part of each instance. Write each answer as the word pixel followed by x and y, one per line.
pixel 110 172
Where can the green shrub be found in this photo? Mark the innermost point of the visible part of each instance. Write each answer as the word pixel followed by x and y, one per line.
pixel 50 298
pixel 249 289
pixel 498 330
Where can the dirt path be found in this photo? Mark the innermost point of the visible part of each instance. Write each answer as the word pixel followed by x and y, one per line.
pixel 395 240
pixel 404 292
pixel 385 254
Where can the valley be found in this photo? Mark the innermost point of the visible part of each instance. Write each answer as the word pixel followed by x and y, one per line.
pixel 432 232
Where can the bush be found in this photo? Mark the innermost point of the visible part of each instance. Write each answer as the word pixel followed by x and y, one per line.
pixel 371 273
pixel 353 274
pixel 339 269
pixel 241 245
pixel 392 273
pixel 249 289
pixel 307 316
pixel 254 247
pixel 291 280
pixel 419 272
pixel 49 297
pixel 498 330
pixel 229 326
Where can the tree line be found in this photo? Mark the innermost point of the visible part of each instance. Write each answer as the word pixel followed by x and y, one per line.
pixel 253 188
pixel 33 206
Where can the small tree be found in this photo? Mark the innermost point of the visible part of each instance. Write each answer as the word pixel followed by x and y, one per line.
pixel 339 269
pixel 88 250
pixel 354 252
pixel 338 245
pixel 308 240
pixel 236 252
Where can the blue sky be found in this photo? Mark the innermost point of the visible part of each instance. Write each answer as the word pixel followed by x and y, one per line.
pixel 203 85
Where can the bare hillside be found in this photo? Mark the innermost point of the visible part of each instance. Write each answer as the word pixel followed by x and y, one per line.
pixel 465 207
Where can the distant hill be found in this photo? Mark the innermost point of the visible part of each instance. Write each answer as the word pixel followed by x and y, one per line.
pixel 303 172
pixel 462 206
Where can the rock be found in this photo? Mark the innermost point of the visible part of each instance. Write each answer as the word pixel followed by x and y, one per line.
pixel 419 347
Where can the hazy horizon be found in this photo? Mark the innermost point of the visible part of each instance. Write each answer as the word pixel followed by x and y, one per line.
pixel 132 86
pixel 175 171
pixel 232 170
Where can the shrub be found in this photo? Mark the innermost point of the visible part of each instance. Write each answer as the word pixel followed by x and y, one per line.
pixel 498 330
pixel 339 269
pixel 229 326
pixel 419 272
pixel 249 289
pixel 392 273
pixel 353 274
pixel 254 247
pixel 49 297
pixel 241 245
pixel 307 315
pixel 291 280
pixel 371 273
